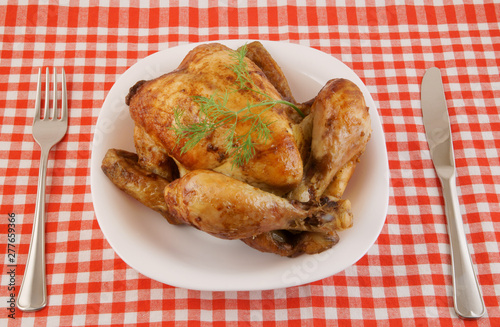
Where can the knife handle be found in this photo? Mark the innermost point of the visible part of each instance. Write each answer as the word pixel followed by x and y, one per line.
pixel 467 297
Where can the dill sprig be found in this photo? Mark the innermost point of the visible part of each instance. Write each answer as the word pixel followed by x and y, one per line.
pixel 214 114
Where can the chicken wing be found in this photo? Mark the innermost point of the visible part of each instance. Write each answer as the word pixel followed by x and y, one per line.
pixel 123 169
pixel 263 59
pixel 292 244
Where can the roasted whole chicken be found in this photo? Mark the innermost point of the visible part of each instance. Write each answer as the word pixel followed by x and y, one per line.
pixel 270 172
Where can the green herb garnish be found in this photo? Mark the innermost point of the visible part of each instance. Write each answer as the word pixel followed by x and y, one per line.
pixel 214 114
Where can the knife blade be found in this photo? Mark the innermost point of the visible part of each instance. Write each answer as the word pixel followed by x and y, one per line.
pixel 467 299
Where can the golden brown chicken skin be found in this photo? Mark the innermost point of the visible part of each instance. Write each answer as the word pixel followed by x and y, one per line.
pixel 123 169
pixel 341 128
pixel 227 208
pixel 276 165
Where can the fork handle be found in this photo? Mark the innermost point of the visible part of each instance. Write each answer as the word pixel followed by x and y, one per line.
pixel 467 299
pixel 33 292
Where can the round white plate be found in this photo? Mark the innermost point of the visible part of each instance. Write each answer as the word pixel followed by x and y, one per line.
pixel 185 257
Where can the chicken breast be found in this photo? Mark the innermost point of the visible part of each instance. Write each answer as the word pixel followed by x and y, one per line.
pixel 276 165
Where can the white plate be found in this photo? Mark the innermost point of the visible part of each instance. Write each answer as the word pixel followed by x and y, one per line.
pixel 185 257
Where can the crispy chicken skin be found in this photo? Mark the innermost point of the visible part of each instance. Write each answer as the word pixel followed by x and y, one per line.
pixel 341 129
pixel 276 165
pixel 123 169
pixel 227 208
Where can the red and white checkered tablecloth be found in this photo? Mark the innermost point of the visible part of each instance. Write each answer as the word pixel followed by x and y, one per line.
pixel 403 280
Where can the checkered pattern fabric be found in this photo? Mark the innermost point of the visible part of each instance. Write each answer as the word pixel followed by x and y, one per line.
pixel 404 279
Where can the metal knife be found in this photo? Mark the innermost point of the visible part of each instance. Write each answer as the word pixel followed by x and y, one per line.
pixel 467 298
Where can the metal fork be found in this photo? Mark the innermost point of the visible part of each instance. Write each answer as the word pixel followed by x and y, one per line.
pixel 47 132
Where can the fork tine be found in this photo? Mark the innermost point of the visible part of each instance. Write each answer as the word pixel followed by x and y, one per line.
pixel 55 115
pixel 64 98
pixel 38 94
pixel 47 95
